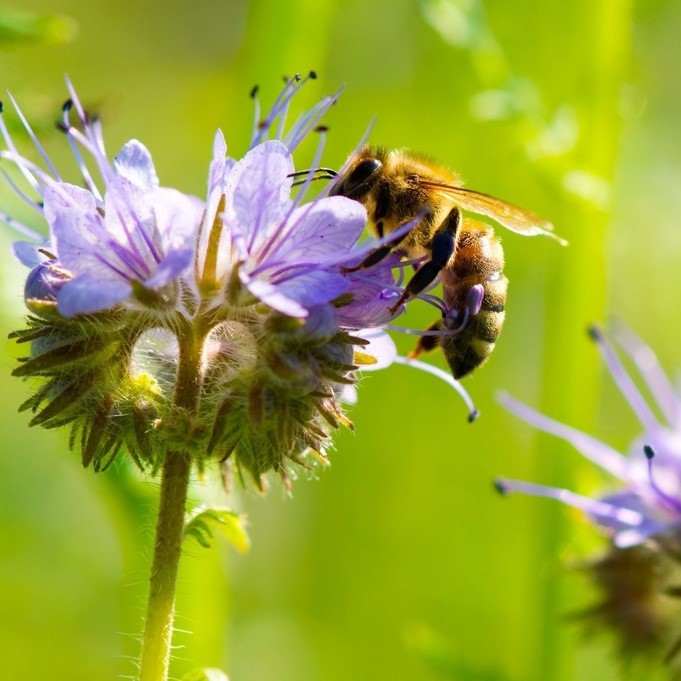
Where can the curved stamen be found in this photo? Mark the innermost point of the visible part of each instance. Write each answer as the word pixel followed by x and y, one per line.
pixel 473 413
pixel 20 227
pixel 31 203
pixel 669 501
pixel 309 121
pixel 607 458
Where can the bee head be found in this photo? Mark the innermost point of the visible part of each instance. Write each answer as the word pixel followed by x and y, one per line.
pixel 360 177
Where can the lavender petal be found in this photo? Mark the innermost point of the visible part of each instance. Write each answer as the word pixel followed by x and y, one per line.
pixel 85 295
pixel 134 163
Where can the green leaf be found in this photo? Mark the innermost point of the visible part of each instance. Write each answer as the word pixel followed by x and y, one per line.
pixel 18 27
pixel 207 674
pixel 203 523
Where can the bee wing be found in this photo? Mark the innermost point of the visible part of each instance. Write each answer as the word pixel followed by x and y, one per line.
pixel 506 214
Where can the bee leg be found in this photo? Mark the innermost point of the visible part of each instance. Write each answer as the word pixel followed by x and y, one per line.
pixel 442 250
pixel 375 256
pixel 427 343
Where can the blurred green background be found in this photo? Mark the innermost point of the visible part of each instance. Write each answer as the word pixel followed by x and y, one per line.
pixel 398 562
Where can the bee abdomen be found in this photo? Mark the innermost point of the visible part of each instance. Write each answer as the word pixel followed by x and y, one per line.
pixel 479 260
pixel 471 347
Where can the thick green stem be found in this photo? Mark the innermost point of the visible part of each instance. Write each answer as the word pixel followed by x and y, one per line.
pixel 158 627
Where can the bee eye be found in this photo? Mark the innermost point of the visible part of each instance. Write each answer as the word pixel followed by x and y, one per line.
pixel 360 175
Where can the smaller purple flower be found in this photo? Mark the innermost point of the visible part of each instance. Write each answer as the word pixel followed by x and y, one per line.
pixel 104 243
pixel 648 504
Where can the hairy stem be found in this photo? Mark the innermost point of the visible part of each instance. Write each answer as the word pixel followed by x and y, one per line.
pixel 158 627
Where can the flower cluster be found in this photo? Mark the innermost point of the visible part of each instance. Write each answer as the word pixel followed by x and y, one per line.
pixel 642 517
pixel 226 327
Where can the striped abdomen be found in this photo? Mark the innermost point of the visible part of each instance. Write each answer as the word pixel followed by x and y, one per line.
pixel 479 259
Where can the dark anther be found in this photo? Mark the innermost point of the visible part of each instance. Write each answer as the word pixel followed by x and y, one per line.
pixel 322 128
pixel 67 106
pixel 313 75
pixel 254 91
pixel 500 487
pixel 595 333
pixel 648 451
pixel 63 128
pixel 473 416
pixel 2 107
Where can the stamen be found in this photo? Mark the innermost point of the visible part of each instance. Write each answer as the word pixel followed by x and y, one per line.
pixel 80 161
pixel 309 121
pixel 623 380
pixel 474 300
pixel 452 316
pixel 20 227
pixel 261 128
pixel 34 139
pixel 38 176
pixel 418 332
pixel 598 509
pixel 36 205
pixel 652 373
pixel 601 454
pixel 15 157
pixel 256 110
pixel 95 141
pixel 664 497
pixel 473 413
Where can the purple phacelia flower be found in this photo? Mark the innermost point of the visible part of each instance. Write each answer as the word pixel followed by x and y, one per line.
pixel 250 289
pixel 647 505
pixel 106 241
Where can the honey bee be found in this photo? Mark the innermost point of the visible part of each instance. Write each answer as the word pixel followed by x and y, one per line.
pixel 396 187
